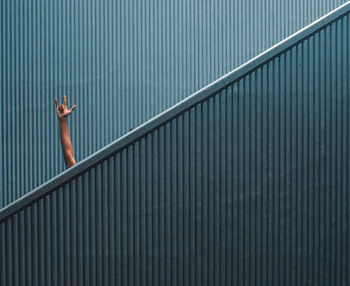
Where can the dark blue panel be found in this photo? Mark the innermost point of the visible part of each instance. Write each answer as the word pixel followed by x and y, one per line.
pixel 244 183
pixel 122 62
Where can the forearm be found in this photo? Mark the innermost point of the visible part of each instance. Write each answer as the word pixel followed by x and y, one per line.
pixel 67 146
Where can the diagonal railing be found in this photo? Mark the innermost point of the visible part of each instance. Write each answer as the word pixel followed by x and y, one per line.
pixel 170 113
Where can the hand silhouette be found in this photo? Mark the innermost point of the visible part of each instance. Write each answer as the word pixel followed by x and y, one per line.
pixel 62 111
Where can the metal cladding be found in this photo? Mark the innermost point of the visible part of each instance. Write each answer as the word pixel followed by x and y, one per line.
pixel 244 183
pixel 121 62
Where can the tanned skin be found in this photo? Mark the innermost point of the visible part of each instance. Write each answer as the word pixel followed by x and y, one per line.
pixel 62 113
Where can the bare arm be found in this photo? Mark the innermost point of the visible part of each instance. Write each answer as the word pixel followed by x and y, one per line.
pixel 62 113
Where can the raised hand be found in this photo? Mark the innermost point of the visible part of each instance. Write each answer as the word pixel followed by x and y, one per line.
pixel 62 111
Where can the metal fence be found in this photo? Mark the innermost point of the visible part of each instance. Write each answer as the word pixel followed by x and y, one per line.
pixel 122 62
pixel 244 183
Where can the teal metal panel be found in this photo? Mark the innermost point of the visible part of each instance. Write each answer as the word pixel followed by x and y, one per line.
pixel 243 183
pixel 122 62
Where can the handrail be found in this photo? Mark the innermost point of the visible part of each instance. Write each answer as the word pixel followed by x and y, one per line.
pixel 171 112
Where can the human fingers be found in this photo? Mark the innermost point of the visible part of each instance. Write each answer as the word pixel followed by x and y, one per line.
pixel 64 100
pixel 56 103
pixel 73 107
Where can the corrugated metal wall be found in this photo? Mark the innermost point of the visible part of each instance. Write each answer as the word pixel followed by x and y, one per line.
pixel 122 62
pixel 248 187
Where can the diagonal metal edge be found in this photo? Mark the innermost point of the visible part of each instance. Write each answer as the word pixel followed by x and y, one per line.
pixel 171 112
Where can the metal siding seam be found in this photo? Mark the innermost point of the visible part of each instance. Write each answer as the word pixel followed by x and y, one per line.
pixel 73 227
pixel 336 218
pixel 143 237
pixel 15 250
pixel 3 263
pixel 156 202
pixel 2 90
pixel 5 128
pixel 346 71
pixel 2 72
pixel 192 251
pixel 328 145
pixel 99 223
pixel 211 198
pixel 313 54
pixel 204 178
pixel 347 135
pixel 340 149
pixel 68 239
pixel 162 205
pixel 86 229
pixel 9 252
pixel 167 215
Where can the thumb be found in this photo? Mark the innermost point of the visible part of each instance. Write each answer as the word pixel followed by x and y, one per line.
pixel 73 107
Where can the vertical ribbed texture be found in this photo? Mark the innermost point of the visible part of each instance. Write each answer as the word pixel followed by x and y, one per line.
pixel 249 187
pixel 122 62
